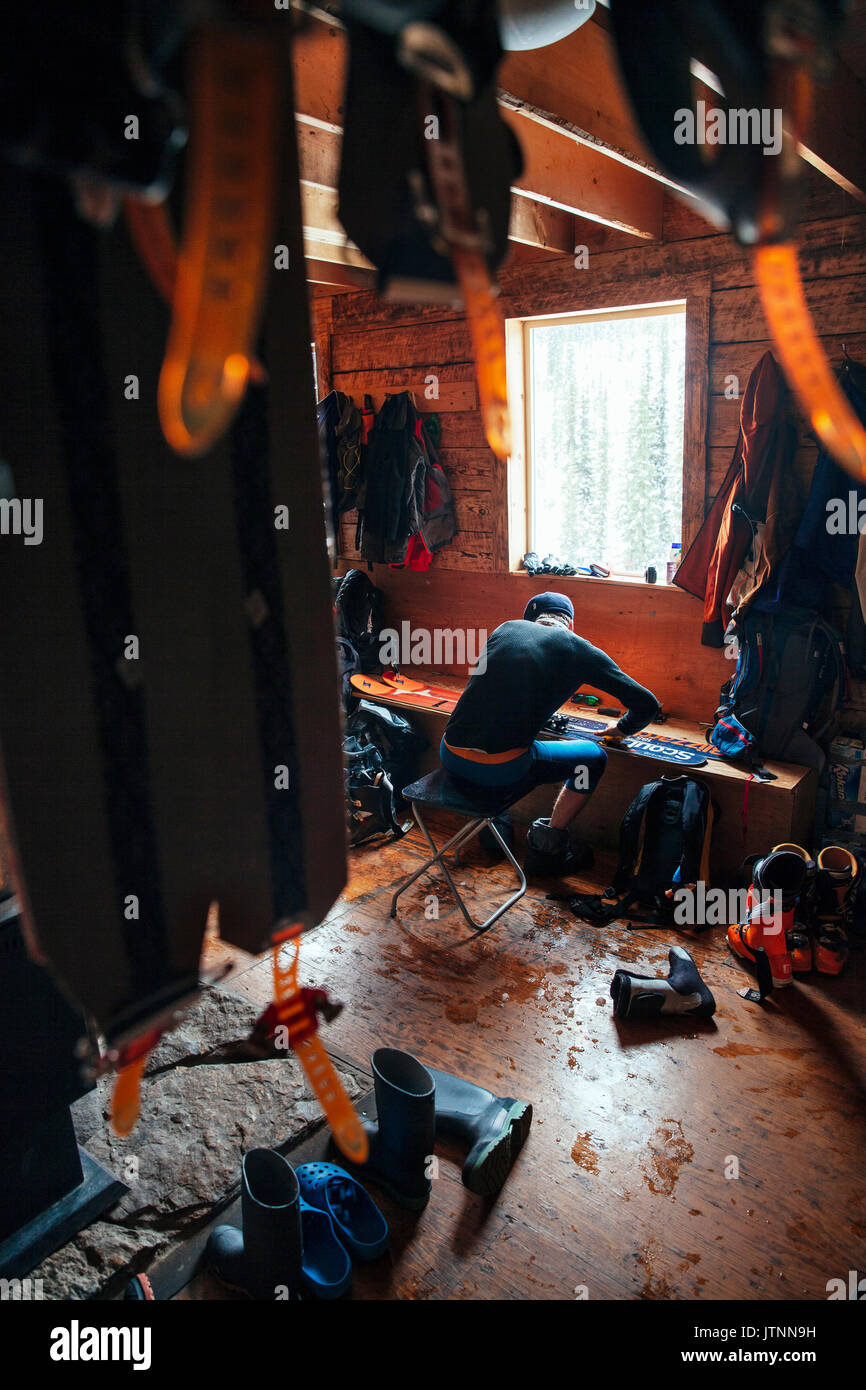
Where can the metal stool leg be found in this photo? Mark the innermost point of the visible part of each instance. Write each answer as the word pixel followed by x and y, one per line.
pixel 465 833
pixel 462 837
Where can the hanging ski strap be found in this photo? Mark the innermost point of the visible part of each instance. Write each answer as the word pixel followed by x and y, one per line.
pixel 294 1009
pixel 463 233
pixel 227 241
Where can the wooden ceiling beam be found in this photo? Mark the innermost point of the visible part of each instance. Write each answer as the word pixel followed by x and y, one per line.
pixel 541 225
pixel 562 170
pixel 836 143
pixel 532 223
pixel 582 91
pixel 333 273
pixel 582 176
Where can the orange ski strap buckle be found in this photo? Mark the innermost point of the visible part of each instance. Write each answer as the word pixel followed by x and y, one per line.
pixel 294 1009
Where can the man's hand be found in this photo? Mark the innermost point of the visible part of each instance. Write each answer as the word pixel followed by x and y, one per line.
pixel 612 738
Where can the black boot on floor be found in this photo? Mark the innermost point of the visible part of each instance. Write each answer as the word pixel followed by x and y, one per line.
pixel 488 840
pixel 549 854
pixel 403 1135
pixel 682 991
pixel 264 1258
pixel 494 1129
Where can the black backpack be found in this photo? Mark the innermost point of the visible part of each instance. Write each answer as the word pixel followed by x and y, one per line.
pixel 381 756
pixel 358 607
pixel 782 698
pixel 664 844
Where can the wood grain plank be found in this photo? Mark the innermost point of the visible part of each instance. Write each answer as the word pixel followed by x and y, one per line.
pixel 440 396
pixel 837 306
pixel 427 345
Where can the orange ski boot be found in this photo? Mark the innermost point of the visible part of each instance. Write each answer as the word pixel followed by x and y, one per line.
pixel 797 938
pixel 777 882
pixel 836 890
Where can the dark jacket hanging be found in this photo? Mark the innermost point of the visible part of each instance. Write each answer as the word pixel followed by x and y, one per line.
pixel 758 486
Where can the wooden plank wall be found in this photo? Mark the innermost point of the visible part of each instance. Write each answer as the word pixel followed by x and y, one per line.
pixel 367 345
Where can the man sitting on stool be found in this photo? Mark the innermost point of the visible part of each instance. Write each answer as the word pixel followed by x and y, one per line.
pixel 529 668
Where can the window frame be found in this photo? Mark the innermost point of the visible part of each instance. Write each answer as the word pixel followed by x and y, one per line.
pixel 614 297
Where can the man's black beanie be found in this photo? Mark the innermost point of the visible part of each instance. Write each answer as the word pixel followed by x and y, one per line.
pixel 549 603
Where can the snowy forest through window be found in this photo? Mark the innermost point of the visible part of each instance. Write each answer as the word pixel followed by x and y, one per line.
pixel 606 400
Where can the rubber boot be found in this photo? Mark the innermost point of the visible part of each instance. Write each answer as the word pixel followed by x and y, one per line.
pixel 798 939
pixel 264 1258
pixel 836 890
pixel 773 894
pixel 492 1127
pixel 646 996
pixel 549 854
pixel 403 1135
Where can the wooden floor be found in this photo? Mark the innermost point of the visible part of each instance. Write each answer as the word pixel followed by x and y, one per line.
pixel 623 1187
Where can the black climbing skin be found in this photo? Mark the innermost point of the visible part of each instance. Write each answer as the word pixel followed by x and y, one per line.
pixel 271 659
pixel 493 1128
pixel 70 251
pixel 646 996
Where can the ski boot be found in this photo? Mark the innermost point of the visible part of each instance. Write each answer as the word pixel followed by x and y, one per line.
pixel 549 854
pixel 798 939
pixel 836 890
pixel 681 991
pixel 775 889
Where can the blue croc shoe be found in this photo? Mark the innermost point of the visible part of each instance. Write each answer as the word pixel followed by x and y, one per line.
pixel 358 1222
pixel 325 1268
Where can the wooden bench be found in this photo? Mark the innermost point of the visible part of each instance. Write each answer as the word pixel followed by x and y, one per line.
pixel 753 815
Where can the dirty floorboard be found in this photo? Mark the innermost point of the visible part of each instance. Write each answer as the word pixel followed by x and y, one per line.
pixel 673 1160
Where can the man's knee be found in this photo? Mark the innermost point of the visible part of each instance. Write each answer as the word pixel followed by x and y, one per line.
pixel 588 771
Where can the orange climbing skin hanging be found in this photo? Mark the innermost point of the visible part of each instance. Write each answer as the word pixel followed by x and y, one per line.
pixel 152 235
pixel 126 1096
pixel 777 271
pixel 125 1100
pixel 461 232
pixel 227 241
pixel 292 1011
pixel 487 330
pixel 804 360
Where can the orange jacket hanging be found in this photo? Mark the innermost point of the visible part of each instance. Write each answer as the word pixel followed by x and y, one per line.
pixel 760 482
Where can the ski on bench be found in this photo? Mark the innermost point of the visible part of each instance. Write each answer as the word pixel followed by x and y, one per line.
pixel 401 682
pixel 424 697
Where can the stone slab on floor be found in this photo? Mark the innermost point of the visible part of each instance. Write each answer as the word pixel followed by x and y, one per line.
pixel 182 1160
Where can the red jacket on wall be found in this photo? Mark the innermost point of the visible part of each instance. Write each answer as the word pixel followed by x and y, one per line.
pixel 760 480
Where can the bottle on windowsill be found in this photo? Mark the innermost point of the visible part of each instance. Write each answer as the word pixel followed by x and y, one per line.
pixel 674 560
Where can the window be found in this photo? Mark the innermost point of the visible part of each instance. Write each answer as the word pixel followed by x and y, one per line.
pixel 604 406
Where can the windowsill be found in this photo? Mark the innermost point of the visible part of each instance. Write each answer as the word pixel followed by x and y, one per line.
pixel 624 581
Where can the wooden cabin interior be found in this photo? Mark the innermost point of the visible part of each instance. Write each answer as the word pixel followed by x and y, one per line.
pixel 674 1158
